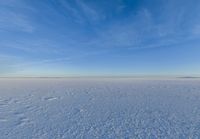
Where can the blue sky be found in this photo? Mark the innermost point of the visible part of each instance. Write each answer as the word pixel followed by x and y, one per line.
pixel 99 37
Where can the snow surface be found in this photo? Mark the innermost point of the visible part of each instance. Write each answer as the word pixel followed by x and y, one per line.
pixel 105 108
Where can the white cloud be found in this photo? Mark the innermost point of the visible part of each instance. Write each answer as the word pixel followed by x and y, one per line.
pixel 196 30
pixel 70 10
pixel 42 62
pixel 7 62
pixel 89 12
pixel 33 46
pixel 11 18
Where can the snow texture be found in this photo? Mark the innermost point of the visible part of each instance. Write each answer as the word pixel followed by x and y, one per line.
pixel 102 108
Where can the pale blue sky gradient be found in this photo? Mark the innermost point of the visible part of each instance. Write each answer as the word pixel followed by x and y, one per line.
pixel 99 37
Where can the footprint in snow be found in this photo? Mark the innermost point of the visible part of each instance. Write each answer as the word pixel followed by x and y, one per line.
pixel 22 121
pixel 19 114
pixel 50 98
pixel 3 104
pixel 3 120
pixel 77 111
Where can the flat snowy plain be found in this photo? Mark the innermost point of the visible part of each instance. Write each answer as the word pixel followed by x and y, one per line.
pixel 104 108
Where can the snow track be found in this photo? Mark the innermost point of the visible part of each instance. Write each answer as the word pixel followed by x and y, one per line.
pixel 103 108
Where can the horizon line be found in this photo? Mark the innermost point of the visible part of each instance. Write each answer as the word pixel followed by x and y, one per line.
pixel 107 76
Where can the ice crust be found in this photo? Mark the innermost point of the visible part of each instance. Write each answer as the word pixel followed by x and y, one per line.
pixel 99 108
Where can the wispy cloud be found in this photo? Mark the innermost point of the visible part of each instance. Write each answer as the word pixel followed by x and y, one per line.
pixel 80 11
pixel 6 63
pixel 41 62
pixel 144 30
pixel 32 46
pixel 89 12
pixel 12 18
